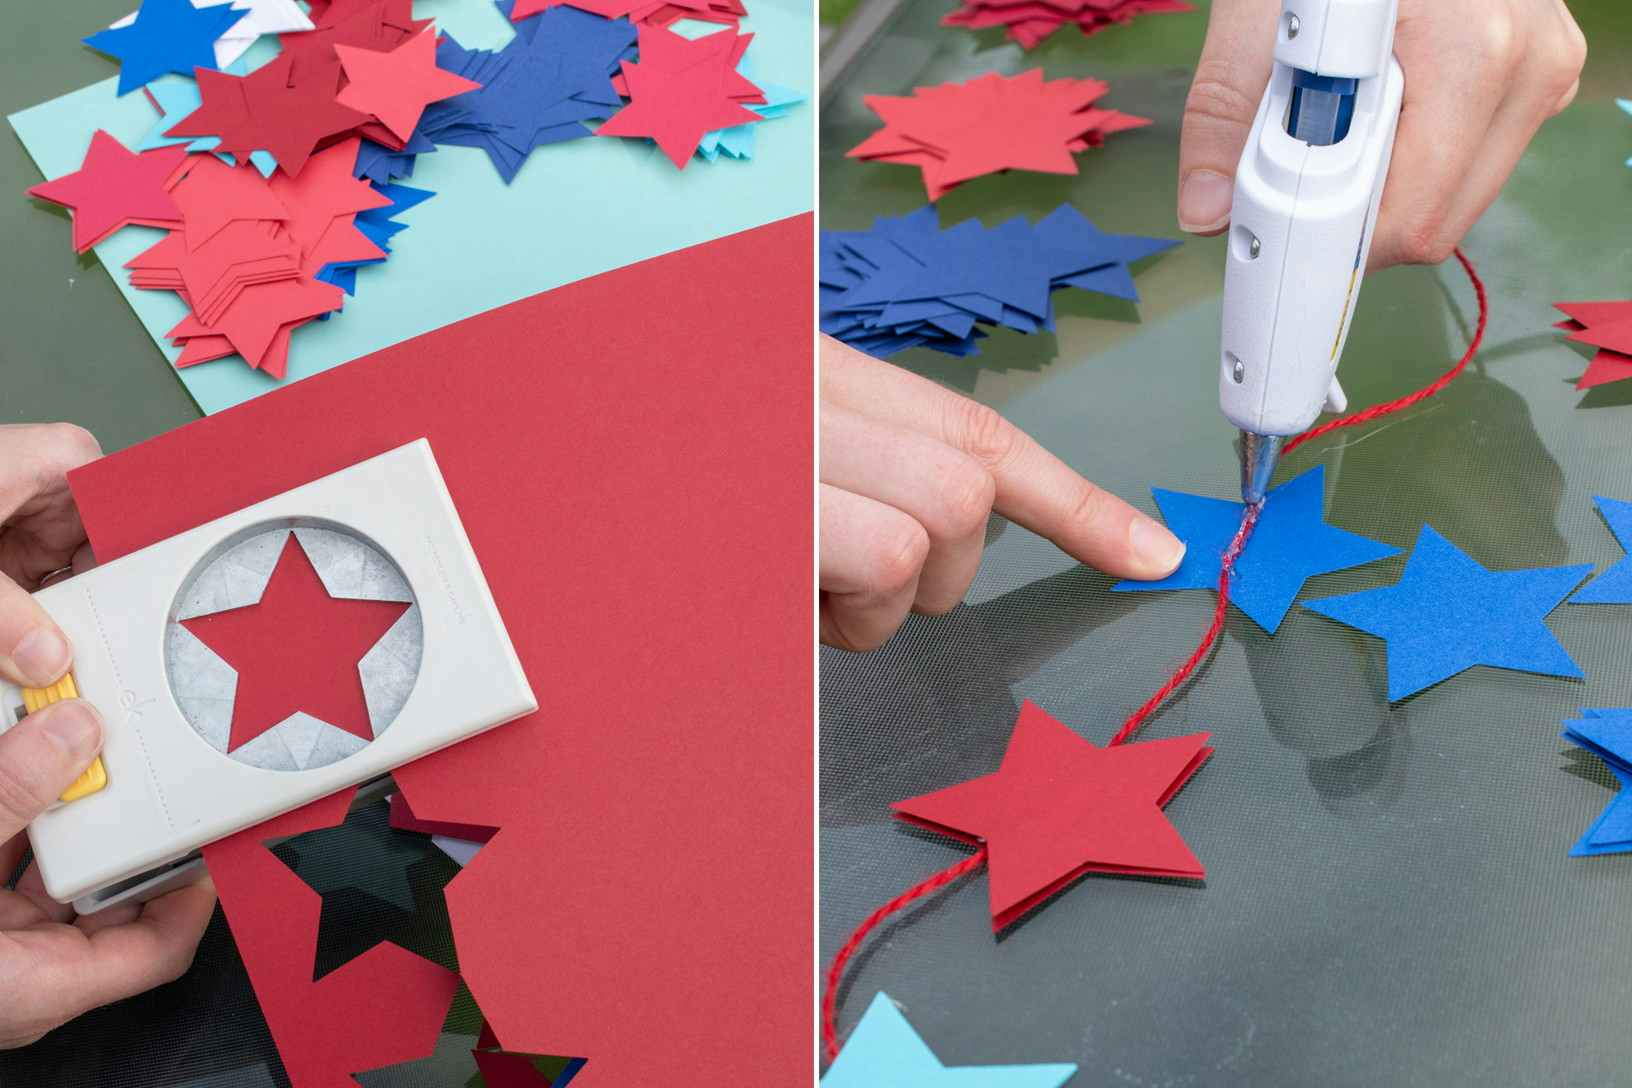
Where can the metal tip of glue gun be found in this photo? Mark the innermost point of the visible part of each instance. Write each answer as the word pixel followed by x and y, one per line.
pixel 1259 455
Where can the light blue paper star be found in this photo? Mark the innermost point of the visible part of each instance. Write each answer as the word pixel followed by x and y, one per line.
pixel 167 36
pixel 1447 613
pixel 738 140
pixel 1614 586
pixel 884 1052
pixel 1607 734
pixel 1290 544
pixel 177 97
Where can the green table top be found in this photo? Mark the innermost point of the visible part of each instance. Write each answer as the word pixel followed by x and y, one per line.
pixel 1389 897
pixel 75 352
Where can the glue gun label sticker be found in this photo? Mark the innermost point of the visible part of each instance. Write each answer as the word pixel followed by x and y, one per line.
pixel 292 645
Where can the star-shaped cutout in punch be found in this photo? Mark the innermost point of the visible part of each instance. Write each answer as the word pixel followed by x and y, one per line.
pixel 1290 544
pixel 296 650
pixel 1613 586
pixel 885 1052
pixel 115 187
pixel 397 86
pixel 1060 807
pixel 166 36
pixel 1447 614
pixel 1607 734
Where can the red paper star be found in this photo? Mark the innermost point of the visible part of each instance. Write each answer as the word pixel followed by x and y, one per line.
pixel 115 187
pixel 270 109
pixel 251 324
pixel 957 131
pixel 296 650
pixel 214 194
pixel 642 12
pixel 379 25
pixel 1059 807
pixel 324 192
pixel 397 86
pixel 683 89
pixel 1608 327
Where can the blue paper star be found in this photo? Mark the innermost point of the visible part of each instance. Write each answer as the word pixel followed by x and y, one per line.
pixel 167 36
pixel 1614 586
pixel 1448 613
pixel 884 1052
pixel 1290 544
pixel 906 282
pixel 1607 734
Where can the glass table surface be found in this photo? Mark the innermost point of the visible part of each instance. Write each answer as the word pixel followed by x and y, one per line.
pixel 1388 895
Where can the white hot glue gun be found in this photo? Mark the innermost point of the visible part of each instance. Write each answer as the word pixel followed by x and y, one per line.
pixel 1306 196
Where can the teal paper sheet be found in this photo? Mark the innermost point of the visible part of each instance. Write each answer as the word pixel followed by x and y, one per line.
pixel 577 209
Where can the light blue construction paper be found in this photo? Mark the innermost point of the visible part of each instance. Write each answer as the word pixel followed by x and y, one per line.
pixel 577 209
pixel 885 1052
pixel 1447 614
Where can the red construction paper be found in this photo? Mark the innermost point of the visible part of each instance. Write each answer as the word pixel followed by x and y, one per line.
pixel 296 649
pixel 1608 327
pixel 958 131
pixel 664 784
pixel 1060 807
pixel 384 1007
pixel 115 187
pixel 683 89
pixel 403 819
pixel 397 86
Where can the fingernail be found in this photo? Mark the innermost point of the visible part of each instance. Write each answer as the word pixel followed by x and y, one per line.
pixel 1154 548
pixel 1204 201
pixel 75 725
pixel 42 656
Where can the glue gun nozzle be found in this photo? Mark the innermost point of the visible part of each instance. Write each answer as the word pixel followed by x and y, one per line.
pixel 1259 455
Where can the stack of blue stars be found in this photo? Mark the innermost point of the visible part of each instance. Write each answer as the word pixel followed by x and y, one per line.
pixel 908 283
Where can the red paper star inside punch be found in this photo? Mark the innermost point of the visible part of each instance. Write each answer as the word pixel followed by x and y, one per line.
pixel 116 187
pixel 296 649
pixel 1060 807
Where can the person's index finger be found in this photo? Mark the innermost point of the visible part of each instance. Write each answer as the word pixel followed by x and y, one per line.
pixel 1044 494
pixel 1034 488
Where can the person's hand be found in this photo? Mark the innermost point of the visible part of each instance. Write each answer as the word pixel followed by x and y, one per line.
pixel 910 472
pixel 1480 78
pixel 54 966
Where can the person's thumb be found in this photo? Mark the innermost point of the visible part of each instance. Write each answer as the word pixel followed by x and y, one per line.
pixel 33 650
pixel 1230 80
pixel 41 756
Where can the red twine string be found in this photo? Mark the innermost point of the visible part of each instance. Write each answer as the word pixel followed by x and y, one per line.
pixel 972 863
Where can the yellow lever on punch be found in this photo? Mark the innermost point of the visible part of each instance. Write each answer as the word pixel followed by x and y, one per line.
pixel 95 776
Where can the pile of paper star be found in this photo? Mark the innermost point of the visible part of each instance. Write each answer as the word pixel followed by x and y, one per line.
pixel 644 12
pixel 1607 326
pixel 908 283
pixel 1029 22
pixel 958 131
pixel 1607 734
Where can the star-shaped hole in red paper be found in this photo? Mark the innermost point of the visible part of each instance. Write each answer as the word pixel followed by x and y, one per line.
pixel 397 86
pixel 1607 326
pixel 958 131
pixel 1060 807
pixel 681 89
pixel 296 650
pixel 115 187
